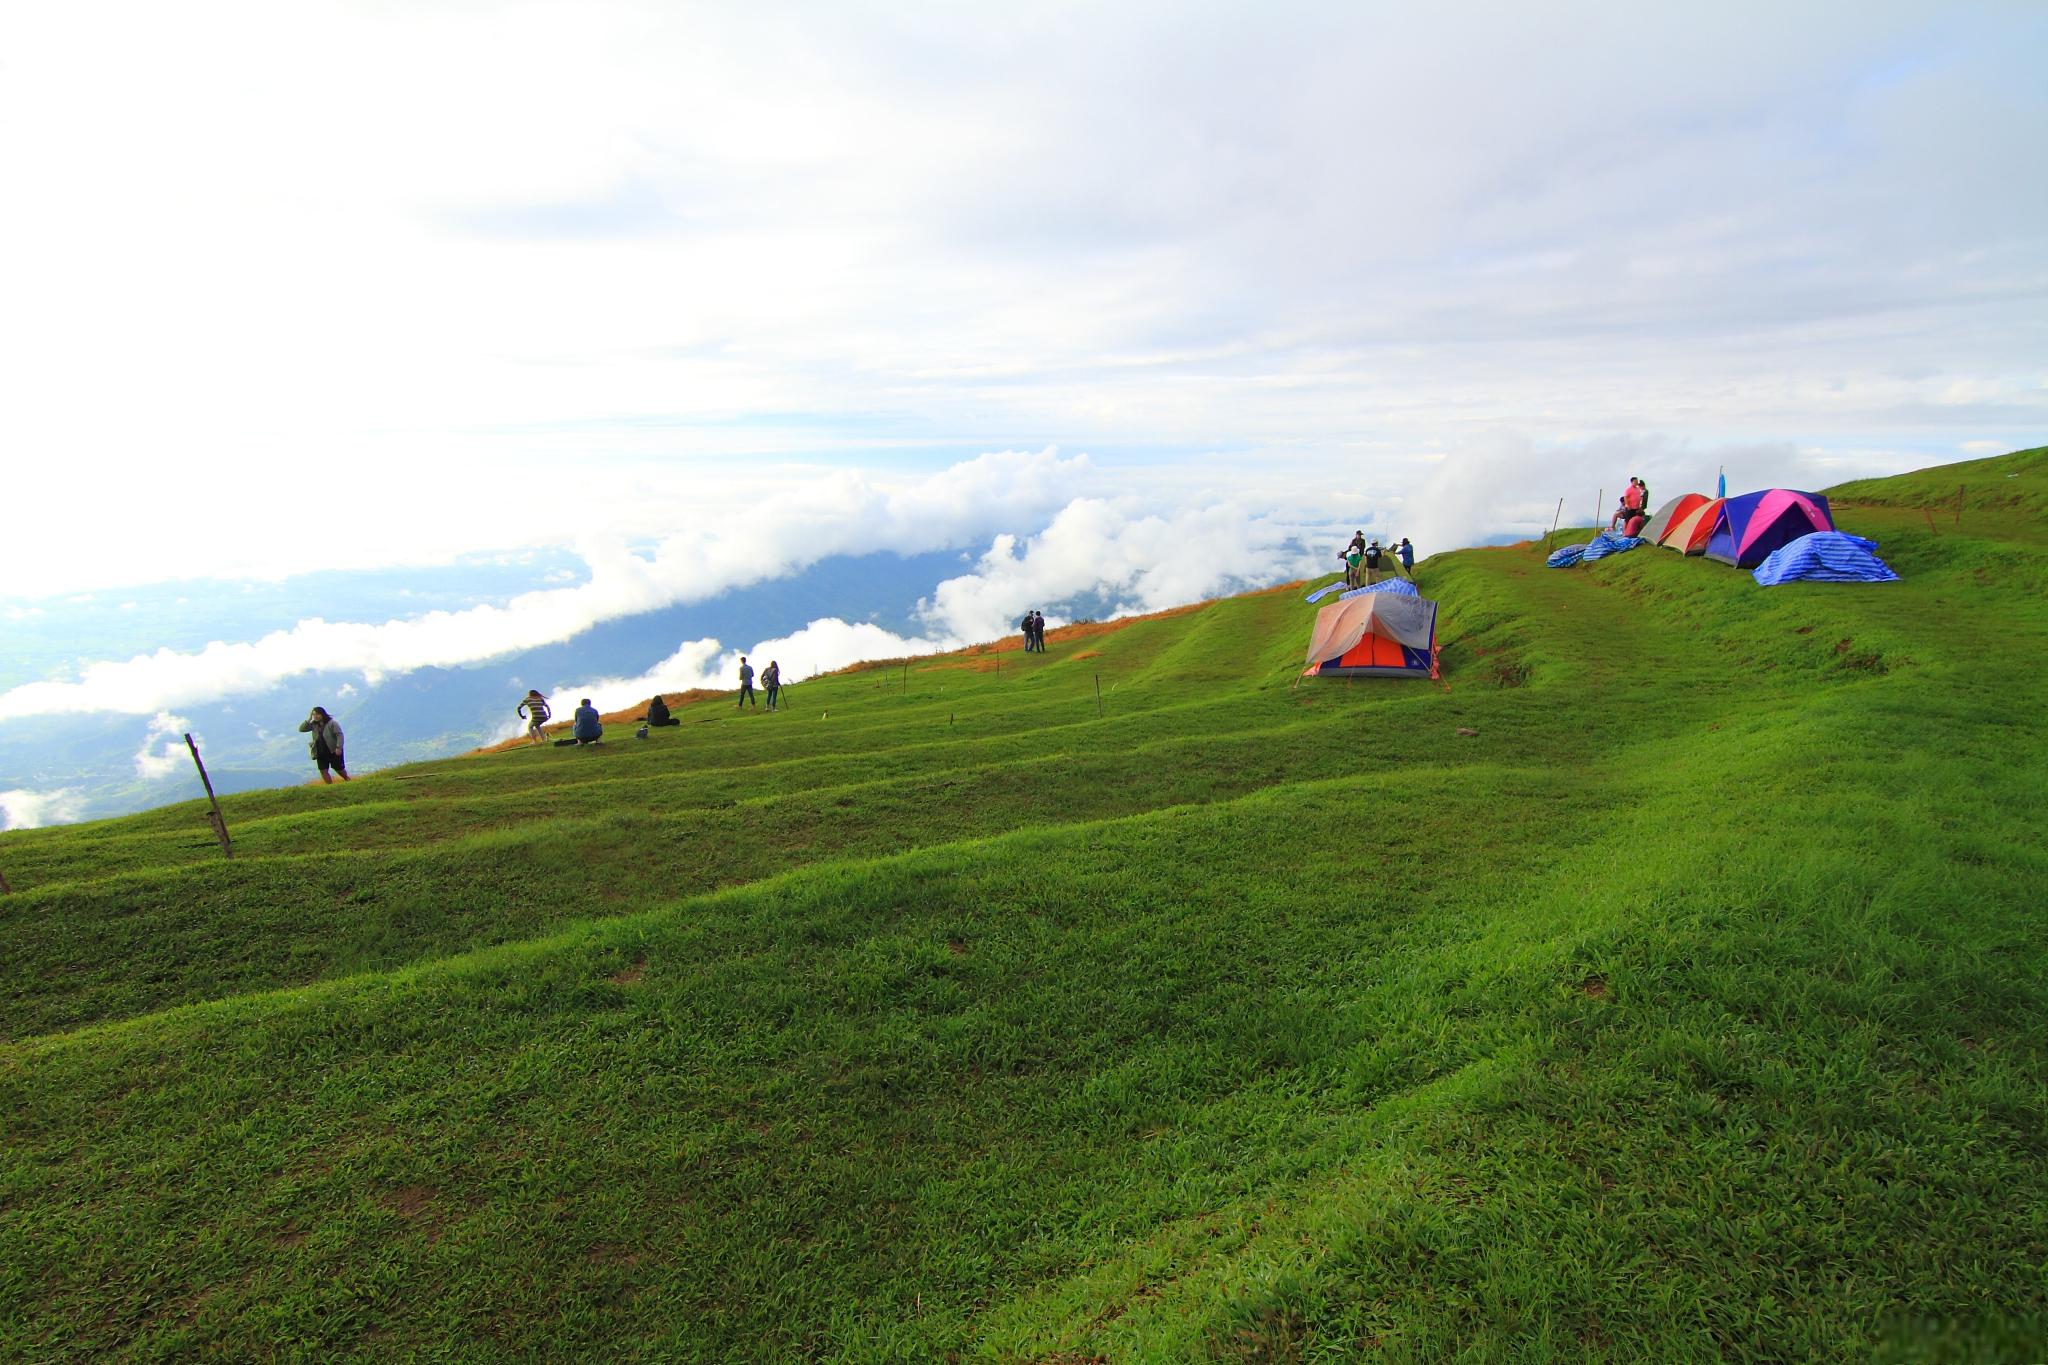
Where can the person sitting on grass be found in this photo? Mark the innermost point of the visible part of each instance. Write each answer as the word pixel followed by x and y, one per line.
pixel 657 712
pixel 588 728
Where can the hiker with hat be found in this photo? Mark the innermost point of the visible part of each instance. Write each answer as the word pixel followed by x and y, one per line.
pixel 326 744
pixel 1407 556
pixel 535 711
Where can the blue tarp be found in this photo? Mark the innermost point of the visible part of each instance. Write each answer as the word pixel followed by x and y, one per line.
pixel 1599 547
pixel 1324 591
pixel 1825 557
pixel 1398 587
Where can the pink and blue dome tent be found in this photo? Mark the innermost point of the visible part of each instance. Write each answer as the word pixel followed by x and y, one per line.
pixel 1751 526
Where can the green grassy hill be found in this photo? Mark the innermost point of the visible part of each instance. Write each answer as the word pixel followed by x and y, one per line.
pixel 1694 1008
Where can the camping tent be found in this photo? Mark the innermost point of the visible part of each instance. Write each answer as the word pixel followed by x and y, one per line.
pixel 1393 587
pixel 1670 512
pixel 1751 526
pixel 1825 557
pixel 1688 534
pixel 1374 635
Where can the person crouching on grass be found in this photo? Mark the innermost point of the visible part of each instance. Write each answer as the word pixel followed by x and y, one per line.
pixel 326 744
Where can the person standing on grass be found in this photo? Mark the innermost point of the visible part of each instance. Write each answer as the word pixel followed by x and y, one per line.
pixel 1038 629
pixel 326 744
pixel 1025 626
pixel 1373 554
pixel 771 679
pixel 1407 554
pixel 535 709
pixel 747 685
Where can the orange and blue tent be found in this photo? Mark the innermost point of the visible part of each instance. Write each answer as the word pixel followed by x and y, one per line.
pixel 1689 532
pixel 1374 635
pixel 1748 528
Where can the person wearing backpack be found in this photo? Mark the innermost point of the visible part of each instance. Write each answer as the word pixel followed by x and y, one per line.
pixel 1372 556
pixel 747 685
pixel 326 744
pixel 771 679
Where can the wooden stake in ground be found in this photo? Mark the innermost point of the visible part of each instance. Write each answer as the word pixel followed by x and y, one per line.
pixel 213 815
pixel 1098 696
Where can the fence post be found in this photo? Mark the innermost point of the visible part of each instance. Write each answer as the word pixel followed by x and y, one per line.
pixel 213 815
pixel 1098 696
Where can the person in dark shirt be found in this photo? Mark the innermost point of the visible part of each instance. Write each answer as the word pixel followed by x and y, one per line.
pixel 771 679
pixel 1372 557
pixel 658 713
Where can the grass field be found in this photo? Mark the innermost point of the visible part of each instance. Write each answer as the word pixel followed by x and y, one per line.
pixel 1693 1009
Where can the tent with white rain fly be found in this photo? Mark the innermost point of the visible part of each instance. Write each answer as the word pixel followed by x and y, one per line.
pixel 1374 635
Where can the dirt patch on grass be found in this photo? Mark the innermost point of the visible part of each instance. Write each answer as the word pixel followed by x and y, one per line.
pixel 291 1237
pixel 631 975
pixel 956 947
pixel 1594 988
pixel 410 1201
pixel 1089 654
pixel 612 1253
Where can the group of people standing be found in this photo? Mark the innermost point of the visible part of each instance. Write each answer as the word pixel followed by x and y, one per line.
pixel 1033 626
pixel 1363 560
pixel 1634 508
pixel 771 683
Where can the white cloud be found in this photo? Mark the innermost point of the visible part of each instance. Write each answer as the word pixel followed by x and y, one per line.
pixel 1143 562
pixel 163 747
pixel 23 809
pixel 1985 447
pixel 839 513
pixel 658 254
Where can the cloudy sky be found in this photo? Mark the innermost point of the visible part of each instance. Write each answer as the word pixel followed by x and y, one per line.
pixel 704 292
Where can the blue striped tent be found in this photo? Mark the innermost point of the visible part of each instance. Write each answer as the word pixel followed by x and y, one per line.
pixel 1825 557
